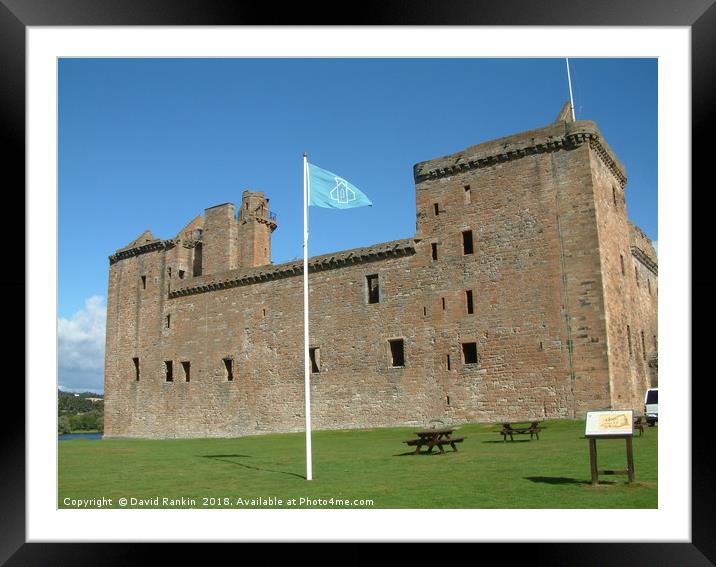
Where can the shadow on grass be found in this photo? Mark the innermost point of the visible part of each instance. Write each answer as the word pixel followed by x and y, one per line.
pixel 224 459
pixel 563 480
pixel 423 453
pixel 501 442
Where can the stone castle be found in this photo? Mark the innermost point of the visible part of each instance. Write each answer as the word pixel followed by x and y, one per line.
pixel 525 292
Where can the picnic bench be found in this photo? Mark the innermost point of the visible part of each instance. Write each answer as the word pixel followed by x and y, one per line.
pixel 520 428
pixel 434 438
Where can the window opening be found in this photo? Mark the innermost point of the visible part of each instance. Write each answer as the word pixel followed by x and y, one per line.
pixel 467 247
pixel 469 353
pixel 229 369
pixel 373 288
pixel 468 300
pixel 397 352
pixel 315 355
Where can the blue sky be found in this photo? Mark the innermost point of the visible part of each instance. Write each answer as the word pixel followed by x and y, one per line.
pixel 150 143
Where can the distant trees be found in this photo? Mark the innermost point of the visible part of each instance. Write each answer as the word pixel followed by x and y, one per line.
pixel 78 413
pixel 70 404
pixel 64 425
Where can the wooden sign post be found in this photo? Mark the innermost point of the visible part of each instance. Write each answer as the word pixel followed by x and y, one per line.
pixel 610 424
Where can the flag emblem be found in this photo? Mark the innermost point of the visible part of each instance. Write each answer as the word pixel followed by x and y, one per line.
pixel 342 193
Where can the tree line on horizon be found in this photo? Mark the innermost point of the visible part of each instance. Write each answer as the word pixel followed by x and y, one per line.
pixel 78 413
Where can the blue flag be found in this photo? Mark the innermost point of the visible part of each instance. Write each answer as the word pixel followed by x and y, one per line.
pixel 332 191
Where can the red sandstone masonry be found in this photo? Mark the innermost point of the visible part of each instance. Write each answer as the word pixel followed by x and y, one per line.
pixel 547 306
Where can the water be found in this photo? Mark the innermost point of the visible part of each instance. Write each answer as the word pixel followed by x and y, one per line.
pixel 79 436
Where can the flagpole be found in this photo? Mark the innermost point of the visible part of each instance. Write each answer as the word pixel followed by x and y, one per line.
pixel 306 362
pixel 571 100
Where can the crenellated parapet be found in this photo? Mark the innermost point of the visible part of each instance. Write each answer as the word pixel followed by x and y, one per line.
pixel 141 249
pixel 642 249
pixel 644 258
pixel 237 278
pixel 558 136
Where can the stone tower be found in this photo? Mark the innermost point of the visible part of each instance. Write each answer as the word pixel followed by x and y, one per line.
pixel 231 241
pixel 255 224
pixel 219 239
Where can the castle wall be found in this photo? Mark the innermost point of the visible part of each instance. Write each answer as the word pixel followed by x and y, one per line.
pixel 580 269
pixel 631 309
pixel 516 289
pixel 542 340
pixel 644 296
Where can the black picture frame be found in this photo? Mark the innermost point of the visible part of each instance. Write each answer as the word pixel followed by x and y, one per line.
pixel 17 15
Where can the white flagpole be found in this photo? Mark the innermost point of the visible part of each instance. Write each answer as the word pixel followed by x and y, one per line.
pixel 307 364
pixel 571 100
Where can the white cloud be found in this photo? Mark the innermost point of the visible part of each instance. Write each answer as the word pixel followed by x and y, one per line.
pixel 81 347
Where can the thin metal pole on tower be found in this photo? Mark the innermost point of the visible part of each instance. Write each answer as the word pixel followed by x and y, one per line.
pixel 569 79
pixel 306 362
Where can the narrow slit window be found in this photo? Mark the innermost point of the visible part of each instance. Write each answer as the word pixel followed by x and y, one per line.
pixel 636 275
pixel 614 195
pixel 135 360
pixel 467 247
pixel 629 339
pixel 448 400
pixel 468 195
pixel 643 345
pixel 229 369
pixel 468 302
pixel 436 209
pixel 447 361
pixel 425 311
pixel 186 367
pixel 397 352
pixel 434 250
pixel 469 353
pixel 648 285
pixel 621 259
pixel 373 288
pixel 169 321
pixel 169 370
pixel 315 355
pixel 442 299
pixel 196 261
pixel 144 282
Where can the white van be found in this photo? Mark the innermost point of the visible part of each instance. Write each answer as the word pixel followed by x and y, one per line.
pixel 651 405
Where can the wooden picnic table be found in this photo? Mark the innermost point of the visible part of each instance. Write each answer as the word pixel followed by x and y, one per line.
pixel 520 428
pixel 435 438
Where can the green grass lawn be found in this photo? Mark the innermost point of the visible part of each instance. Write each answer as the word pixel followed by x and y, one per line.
pixel 552 472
